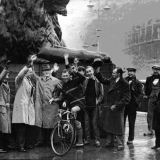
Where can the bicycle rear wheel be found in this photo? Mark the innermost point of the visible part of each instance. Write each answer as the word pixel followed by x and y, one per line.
pixel 62 138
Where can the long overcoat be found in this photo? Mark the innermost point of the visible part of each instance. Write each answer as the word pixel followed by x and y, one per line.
pixel 5 117
pixel 112 121
pixel 23 108
pixel 46 88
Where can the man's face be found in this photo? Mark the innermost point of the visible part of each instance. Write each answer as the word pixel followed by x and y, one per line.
pixel 115 74
pixel 46 73
pixel 65 77
pixel 156 71
pixel 89 72
pixel 131 73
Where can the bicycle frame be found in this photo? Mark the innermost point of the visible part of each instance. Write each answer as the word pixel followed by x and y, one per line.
pixel 61 113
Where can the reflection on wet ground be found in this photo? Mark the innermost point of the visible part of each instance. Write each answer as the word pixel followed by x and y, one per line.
pixel 140 150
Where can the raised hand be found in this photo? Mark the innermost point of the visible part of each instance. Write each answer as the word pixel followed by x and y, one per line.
pixel 55 67
pixel 66 56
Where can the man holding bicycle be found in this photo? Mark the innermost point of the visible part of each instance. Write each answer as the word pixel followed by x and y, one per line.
pixel 72 96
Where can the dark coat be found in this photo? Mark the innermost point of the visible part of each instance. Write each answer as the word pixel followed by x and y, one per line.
pixel 137 92
pixel 119 95
pixel 156 118
pixel 149 81
pixel 98 88
pixel 72 92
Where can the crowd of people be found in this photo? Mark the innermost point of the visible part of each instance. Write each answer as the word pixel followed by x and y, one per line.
pixel 38 99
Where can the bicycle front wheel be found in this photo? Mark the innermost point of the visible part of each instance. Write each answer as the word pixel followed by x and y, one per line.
pixel 62 138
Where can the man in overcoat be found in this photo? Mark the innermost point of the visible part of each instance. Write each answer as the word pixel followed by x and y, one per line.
pixel 5 117
pixel 24 110
pixel 112 116
pixel 152 90
pixel 46 87
pixel 156 123
pixel 136 89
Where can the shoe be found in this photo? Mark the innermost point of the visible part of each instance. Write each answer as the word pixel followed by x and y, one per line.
pixel 129 142
pixel 149 133
pixel 11 146
pixel 38 143
pixel 86 142
pixel 79 145
pixel 109 145
pixel 155 147
pixel 21 150
pixel 120 148
pixel 2 151
pixel 30 146
pixel 97 143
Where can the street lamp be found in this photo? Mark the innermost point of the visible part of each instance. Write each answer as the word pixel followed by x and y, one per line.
pixel 106 7
pixel 91 5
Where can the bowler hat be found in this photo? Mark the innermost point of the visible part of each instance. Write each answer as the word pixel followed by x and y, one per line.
pixel 156 66
pixel 45 67
pixel 97 62
pixel 131 69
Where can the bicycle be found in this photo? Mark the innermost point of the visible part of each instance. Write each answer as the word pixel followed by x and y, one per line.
pixel 63 135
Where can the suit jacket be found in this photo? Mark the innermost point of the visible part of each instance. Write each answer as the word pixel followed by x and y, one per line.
pixel 149 81
pixel 137 92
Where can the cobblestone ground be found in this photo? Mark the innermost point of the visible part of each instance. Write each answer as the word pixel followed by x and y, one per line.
pixel 140 150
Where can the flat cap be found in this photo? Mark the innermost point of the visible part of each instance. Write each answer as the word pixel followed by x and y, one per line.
pixel 131 69
pixel 156 66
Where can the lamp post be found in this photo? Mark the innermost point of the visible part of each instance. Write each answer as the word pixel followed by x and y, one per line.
pixel 91 5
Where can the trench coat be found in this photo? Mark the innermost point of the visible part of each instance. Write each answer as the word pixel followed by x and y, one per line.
pixel 112 121
pixel 23 107
pixel 46 88
pixel 5 115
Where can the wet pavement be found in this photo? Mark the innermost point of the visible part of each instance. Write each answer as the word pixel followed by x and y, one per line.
pixel 140 150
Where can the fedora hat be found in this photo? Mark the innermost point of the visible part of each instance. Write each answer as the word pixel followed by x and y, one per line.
pixel 45 67
pixel 97 62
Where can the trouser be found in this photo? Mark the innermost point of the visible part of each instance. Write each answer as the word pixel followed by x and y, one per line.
pixel 91 118
pixel 151 106
pixel 23 135
pixel 4 140
pixel 40 135
pixel 79 131
pixel 157 135
pixel 111 139
pixel 131 120
pixel 80 117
